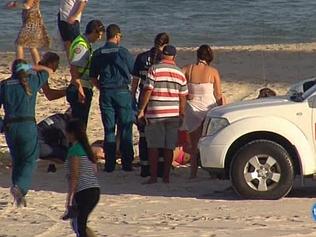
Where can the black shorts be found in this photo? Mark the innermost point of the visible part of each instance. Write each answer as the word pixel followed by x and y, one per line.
pixel 67 31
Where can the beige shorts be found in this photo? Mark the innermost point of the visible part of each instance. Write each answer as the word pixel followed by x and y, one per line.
pixel 162 134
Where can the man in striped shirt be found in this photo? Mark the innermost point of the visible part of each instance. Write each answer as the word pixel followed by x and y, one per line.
pixel 163 108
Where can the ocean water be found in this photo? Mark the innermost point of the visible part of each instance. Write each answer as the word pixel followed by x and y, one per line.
pixel 190 23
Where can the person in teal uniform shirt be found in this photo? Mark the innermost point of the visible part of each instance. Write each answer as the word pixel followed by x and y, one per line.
pixel 18 98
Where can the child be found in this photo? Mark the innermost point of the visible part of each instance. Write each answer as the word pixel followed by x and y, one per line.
pixel 84 190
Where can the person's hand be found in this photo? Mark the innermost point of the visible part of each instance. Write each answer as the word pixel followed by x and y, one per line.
pixel 81 95
pixel 71 20
pixel 222 101
pixel 141 114
pixel 11 5
pixel 190 97
pixel 141 120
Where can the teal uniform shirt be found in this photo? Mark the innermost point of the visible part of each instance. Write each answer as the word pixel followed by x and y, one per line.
pixel 15 101
pixel 21 136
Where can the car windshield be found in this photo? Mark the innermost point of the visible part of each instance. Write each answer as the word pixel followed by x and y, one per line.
pixel 309 92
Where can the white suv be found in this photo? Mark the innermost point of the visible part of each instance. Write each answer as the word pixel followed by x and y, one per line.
pixel 262 144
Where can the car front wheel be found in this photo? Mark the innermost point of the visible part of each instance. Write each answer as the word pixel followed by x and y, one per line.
pixel 262 169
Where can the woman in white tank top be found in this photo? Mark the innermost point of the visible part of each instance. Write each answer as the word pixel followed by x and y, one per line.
pixel 204 93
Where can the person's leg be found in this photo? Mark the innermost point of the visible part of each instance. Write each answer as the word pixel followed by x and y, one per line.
pixel 23 145
pixel 194 139
pixel 154 133
pixel 86 201
pixel 19 52
pixel 35 55
pixel 68 33
pixel 108 120
pixel 143 152
pixel 87 105
pixel 168 156
pixel 79 110
pixel 123 108
pixel 171 138
pixel 153 154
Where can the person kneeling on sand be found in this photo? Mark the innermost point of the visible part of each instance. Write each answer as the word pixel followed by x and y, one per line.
pixel 52 138
pixel 53 143
pixel 164 100
pixel 84 190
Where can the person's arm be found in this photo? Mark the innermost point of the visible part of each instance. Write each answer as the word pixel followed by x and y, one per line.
pixel 79 59
pixel 73 179
pixel 53 94
pixel 182 105
pixel 73 18
pixel 184 71
pixel 148 88
pixel 144 103
pixel 183 93
pixel 138 65
pixel 217 88
pixel 95 82
pixel 94 72
pixel 39 68
pixel 75 80
pixel 135 83
pixel 130 61
pixel 17 5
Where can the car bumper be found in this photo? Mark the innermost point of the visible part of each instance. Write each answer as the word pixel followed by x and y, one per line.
pixel 212 155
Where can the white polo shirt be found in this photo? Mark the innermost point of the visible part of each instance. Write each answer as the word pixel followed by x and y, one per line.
pixel 68 8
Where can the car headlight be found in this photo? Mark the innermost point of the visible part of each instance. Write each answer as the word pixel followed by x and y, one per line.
pixel 214 125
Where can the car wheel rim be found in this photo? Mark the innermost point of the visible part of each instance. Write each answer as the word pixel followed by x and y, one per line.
pixel 262 173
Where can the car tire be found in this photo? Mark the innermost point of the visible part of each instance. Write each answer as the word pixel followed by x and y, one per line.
pixel 262 169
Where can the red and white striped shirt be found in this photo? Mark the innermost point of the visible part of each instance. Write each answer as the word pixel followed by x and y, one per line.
pixel 167 83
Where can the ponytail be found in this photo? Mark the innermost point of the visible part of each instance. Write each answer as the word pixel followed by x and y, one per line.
pixel 20 72
pixel 160 40
pixel 77 128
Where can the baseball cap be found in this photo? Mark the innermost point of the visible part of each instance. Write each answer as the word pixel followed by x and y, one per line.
pixel 169 50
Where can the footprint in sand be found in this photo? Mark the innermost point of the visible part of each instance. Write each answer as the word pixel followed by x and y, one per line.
pixel 3 205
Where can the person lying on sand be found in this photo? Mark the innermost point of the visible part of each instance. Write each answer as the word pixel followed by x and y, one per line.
pixel 266 92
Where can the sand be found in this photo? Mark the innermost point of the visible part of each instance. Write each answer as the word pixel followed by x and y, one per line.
pixel 203 207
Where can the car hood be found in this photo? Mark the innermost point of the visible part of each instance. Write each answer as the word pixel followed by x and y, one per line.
pixel 272 106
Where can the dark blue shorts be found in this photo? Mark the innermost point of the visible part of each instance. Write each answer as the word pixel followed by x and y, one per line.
pixel 68 32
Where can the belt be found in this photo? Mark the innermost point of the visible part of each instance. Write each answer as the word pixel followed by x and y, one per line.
pixel 19 120
pixel 126 87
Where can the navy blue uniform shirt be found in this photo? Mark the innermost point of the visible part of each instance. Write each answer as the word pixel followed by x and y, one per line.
pixel 142 65
pixel 113 65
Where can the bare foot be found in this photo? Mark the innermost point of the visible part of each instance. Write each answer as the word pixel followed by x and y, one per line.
pixel 151 181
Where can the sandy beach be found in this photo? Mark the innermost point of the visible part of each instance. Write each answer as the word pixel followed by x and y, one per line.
pixel 203 207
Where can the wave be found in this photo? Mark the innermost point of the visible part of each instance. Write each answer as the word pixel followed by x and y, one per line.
pixel 291 47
